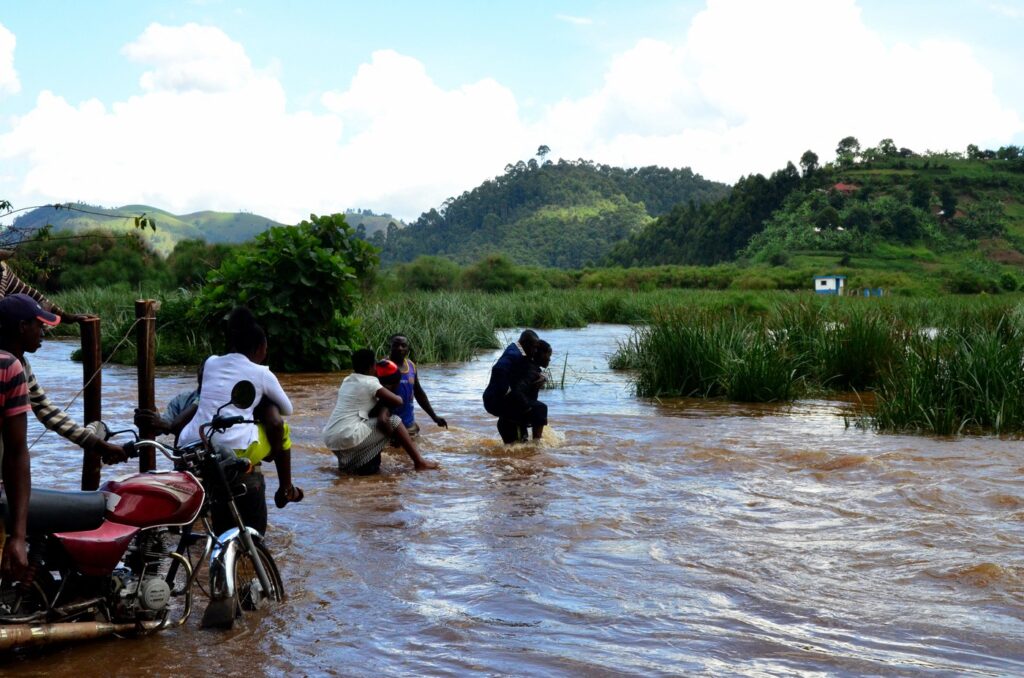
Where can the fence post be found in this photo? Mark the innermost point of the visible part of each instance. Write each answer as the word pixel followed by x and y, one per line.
pixel 145 342
pixel 92 378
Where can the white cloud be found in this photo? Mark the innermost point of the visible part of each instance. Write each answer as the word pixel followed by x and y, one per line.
pixel 210 132
pixel 189 57
pixel 747 87
pixel 575 20
pixel 9 82
pixel 412 143
pixel 754 84
pixel 1009 11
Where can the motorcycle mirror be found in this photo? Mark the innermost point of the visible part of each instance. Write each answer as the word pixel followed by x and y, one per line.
pixel 243 395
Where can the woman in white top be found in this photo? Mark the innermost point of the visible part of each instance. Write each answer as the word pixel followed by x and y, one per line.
pixel 267 440
pixel 358 439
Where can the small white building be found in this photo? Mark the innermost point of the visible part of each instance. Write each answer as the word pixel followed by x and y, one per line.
pixel 830 284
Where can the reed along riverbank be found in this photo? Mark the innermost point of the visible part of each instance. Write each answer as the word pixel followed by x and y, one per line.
pixel 941 365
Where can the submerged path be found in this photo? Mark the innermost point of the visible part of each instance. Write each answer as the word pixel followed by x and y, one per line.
pixel 641 538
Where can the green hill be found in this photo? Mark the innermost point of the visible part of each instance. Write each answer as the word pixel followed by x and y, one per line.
pixel 213 227
pixel 565 214
pixel 366 223
pixel 882 209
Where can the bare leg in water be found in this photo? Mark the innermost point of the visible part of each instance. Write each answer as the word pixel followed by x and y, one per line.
pixel 273 425
pixel 400 434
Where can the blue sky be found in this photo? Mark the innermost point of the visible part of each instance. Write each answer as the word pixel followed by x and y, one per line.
pixel 285 109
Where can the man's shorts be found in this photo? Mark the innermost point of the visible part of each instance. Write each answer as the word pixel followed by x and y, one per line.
pixel 260 448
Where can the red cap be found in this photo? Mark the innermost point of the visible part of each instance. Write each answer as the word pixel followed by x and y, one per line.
pixel 386 368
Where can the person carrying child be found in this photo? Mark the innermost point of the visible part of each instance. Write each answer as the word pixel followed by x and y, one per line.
pixel 356 432
pixel 508 369
pixel 523 408
pixel 266 440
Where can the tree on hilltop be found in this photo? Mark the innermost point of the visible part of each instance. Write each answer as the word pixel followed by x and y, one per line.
pixel 847 151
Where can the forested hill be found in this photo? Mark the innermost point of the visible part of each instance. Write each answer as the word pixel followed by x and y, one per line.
pixel 879 206
pixel 213 227
pixel 564 214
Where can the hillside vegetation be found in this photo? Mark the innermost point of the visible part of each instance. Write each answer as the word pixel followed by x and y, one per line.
pixel 882 209
pixel 564 214
pixel 170 229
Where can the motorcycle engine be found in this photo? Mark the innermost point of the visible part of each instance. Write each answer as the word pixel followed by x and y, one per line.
pixel 154 593
pixel 140 589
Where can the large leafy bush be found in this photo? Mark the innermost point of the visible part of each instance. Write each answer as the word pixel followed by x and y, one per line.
pixel 302 283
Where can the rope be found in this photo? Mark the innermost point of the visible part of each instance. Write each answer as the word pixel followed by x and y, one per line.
pixel 94 374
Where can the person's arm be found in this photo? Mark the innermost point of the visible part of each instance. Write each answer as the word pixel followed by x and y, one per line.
pixel 272 389
pixel 183 418
pixel 424 403
pixel 12 284
pixel 60 422
pixel 151 419
pixel 392 400
pixel 17 479
pixel 384 421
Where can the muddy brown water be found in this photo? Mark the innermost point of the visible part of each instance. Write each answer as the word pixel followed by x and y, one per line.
pixel 641 538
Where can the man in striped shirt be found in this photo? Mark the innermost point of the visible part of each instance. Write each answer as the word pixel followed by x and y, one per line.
pixel 14 466
pixel 21 331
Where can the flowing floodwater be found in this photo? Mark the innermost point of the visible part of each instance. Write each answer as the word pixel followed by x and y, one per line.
pixel 641 537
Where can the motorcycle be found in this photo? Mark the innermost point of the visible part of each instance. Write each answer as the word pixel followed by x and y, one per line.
pixel 101 562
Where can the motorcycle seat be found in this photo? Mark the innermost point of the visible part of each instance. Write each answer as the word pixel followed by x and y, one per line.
pixel 61 511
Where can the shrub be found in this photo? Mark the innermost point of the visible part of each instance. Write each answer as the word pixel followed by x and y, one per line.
pixel 191 261
pixel 1008 282
pixel 496 273
pixel 428 273
pixel 302 283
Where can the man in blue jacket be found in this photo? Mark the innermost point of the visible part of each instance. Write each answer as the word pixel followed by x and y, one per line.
pixel 509 368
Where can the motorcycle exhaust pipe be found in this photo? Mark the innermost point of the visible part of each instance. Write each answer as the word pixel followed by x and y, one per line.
pixel 25 635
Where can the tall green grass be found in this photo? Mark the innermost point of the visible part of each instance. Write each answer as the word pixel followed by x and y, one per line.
pixel 179 341
pixel 941 365
pixel 966 379
pixel 708 355
pixel 942 368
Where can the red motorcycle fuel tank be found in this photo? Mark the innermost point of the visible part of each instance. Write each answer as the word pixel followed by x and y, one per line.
pixel 151 499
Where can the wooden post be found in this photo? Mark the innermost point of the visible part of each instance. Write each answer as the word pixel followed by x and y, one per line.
pixel 92 377
pixel 145 342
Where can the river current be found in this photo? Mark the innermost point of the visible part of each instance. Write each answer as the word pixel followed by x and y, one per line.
pixel 640 537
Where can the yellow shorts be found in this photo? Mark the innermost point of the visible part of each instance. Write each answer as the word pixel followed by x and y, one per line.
pixel 260 448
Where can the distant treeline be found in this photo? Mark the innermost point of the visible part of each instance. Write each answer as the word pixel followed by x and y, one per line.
pixel 565 214
pixel 55 261
pixel 869 196
pixel 497 273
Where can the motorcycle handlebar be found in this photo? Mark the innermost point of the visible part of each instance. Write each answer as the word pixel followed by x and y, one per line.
pixel 130 450
pixel 221 423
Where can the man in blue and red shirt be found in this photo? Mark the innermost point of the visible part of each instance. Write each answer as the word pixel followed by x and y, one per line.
pixel 410 388
pixel 15 468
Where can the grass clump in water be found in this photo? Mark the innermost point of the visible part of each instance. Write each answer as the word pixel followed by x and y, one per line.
pixel 968 379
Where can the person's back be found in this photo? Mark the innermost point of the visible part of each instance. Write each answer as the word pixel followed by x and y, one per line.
pixel 508 369
pixel 220 375
pixel 356 439
pixel 348 424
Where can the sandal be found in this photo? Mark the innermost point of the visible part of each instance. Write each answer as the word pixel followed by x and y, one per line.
pixel 291 494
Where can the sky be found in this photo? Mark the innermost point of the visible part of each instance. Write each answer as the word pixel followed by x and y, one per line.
pixel 299 108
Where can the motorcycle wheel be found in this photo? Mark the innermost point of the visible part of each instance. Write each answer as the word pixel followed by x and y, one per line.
pixel 17 600
pixel 248 593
